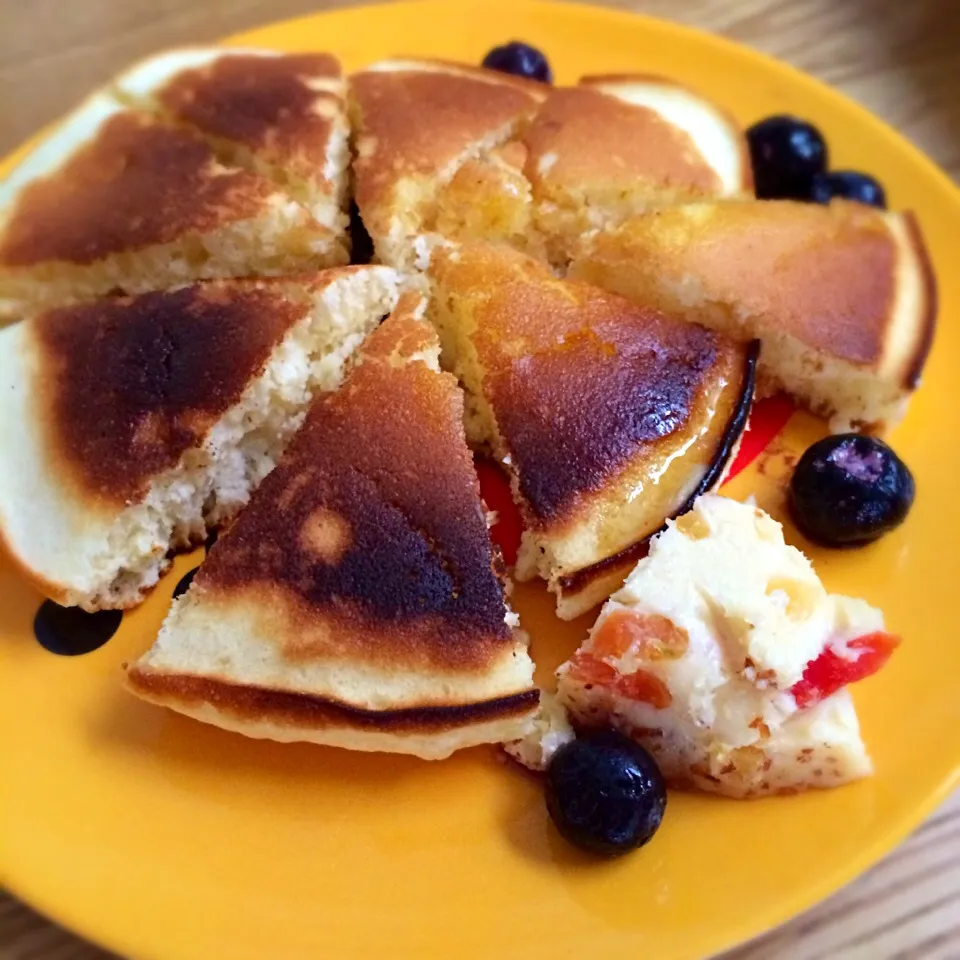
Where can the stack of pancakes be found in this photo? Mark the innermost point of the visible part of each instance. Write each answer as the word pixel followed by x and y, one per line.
pixel 194 354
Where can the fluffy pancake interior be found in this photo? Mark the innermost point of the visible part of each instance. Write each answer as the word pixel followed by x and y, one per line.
pixel 122 544
pixel 360 579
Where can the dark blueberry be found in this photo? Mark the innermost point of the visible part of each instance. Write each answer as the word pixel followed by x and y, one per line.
pixel 850 489
pixel 605 793
pixel 184 585
pixel 211 540
pixel 361 245
pixel 520 59
pixel 850 185
pixel 70 631
pixel 787 154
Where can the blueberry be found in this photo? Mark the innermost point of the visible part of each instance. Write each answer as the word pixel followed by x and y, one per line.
pixel 850 185
pixel 849 490
pixel 520 59
pixel 787 154
pixel 605 793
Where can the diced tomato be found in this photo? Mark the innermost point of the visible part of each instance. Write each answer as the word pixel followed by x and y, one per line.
pixel 616 635
pixel 586 668
pixel 641 686
pixel 495 490
pixel 655 637
pixel 829 672
pixel 645 688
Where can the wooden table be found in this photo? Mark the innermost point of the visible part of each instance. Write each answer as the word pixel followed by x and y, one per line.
pixel 900 59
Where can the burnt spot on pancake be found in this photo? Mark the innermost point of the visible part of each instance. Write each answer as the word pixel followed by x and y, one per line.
pixel 281 106
pixel 372 527
pixel 573 416
pixel 627 558
pixel 136 184
pixel 283 708
pixel 131 384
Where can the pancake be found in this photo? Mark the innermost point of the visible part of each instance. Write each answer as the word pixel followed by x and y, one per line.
pixel 616 146
pixel 842 296
pixel 471 154
pixel 356 602
pixel 131 426
pixel 417 124
pixel 116 200
pixel 608 417
pixel 282 116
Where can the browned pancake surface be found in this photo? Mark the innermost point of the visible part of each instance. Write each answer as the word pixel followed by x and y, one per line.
pixel 581 382
pixel 416 122
pixel 138 183
pixel 592 137
pixel 265 103
pixel 616 395
pixel 262 705
pixel 369 539
pixel 825 275
pixel 131 384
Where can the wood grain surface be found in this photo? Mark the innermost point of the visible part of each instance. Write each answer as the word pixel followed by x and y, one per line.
pixel 900 58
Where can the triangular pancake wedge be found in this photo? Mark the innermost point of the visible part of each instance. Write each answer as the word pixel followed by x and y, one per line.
pixel 131 426
pixel 842 296
pixel 356 601
pixel 281 115
pixel 117 200
pixel 608 417
pixel 428 142
pixel 615 146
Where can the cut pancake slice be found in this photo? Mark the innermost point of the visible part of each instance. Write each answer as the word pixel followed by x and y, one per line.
pixel 282 116
pixel 117 200
pixel 608 417
pixel 725 656
pixel 356 602
pixel 842 296
pixel 128 426
pixel 427 135
pixel 616 146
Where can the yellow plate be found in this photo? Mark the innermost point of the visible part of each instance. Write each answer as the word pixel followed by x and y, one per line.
pixel 162 837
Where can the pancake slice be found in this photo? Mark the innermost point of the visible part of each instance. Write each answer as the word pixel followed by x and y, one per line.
pixel 616 146
pixel 116 200
pixel 130 426
pixel 841 296
pixel 356 601
pixel 609 418
pixel 282 116
pixel 418 124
